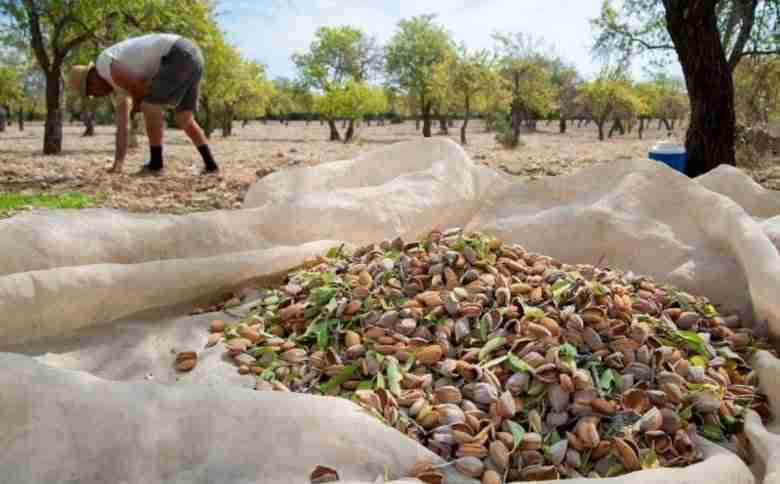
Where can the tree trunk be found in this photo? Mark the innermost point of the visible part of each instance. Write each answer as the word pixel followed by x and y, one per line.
pixel 2 119
pixel 666 124
pixel 465 122
pixel 562 125
pixel 660 123
pixel 227 123
pixel 451 123
pixel 426 120
pixel 368 121
pixel 350 131
pixel 208 128
pixel 52 133
pixel 516 121
pixel 334 131
pixel 673 121
pixel 244 123
pixel 641 127
pixel 417 124
pixel 600 124
pixel 343 123
pixel 21 118
pixel 710 140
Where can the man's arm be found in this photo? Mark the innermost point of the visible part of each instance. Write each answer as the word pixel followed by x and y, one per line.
pixel 122 131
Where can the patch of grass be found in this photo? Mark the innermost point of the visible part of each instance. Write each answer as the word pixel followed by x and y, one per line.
pixel 13 201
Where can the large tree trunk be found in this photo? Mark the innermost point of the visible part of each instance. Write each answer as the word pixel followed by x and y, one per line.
pixel 2 119
pixel 20 118
pixel 694 31
pixel 600 125
pixel 641 127
pixel 562 125
pixel 334 131
pixel 426 120
pixel 52 132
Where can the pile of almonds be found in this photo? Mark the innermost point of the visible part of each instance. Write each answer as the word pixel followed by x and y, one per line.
pixel 508 364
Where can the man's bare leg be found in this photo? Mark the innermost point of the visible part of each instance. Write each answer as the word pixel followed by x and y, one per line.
pixel 186 122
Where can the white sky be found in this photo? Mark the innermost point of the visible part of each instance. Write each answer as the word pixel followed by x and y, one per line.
pixel 272 30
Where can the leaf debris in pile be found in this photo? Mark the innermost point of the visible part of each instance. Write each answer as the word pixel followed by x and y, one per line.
pixel 505 362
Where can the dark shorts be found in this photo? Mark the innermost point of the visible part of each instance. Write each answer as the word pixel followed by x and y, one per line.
pixel 177 83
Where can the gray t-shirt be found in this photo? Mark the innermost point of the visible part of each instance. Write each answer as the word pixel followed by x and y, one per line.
pixel 140 55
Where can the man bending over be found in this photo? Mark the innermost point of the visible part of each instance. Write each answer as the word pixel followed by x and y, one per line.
pixel 147 73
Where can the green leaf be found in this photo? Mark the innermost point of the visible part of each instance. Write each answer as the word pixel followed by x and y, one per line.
pixel 532 312
pixel 269 372
pixel 567 351
pixel 483 328
pixel 322 295
pixel 712 432
pixel 495 362
pixel 337 380
pixel 491 346
pixel 615 470
pixel 334 252
pixel 698 360
pixel 694 342
pixel 366 385
pixel 517 431
pixel 607 380
pixel 409 363
pixel 272 300
pixel 649 459
pixel 729 354
pixel 393 377
pixel 518 365
pixel 560 289
pixel 686 412
pixel 708 310
pixel 598 288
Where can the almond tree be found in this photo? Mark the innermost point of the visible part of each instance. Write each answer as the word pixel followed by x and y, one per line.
pixel 710 38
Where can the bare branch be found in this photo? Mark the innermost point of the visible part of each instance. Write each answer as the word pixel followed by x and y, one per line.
pixel 747 11
pixel 37 36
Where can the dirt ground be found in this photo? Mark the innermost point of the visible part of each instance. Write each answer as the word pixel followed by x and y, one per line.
pixel 259 148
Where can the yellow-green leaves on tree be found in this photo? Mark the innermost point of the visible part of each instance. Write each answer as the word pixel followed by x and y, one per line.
pixel 606 97
pixel 413 55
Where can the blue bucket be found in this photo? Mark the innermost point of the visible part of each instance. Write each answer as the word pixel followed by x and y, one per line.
pixel 671 154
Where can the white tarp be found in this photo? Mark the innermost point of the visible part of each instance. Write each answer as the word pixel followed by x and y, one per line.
pixel 94 303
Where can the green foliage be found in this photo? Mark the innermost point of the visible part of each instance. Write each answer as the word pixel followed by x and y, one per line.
pixel 610 95
pixel 475 80
pixel 353 100
pixel 526 66
pixel 757 91
pixel 11 87
pixel 338 63
pixel 416 57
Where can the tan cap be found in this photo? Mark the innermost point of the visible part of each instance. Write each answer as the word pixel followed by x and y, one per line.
pixel 78 78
